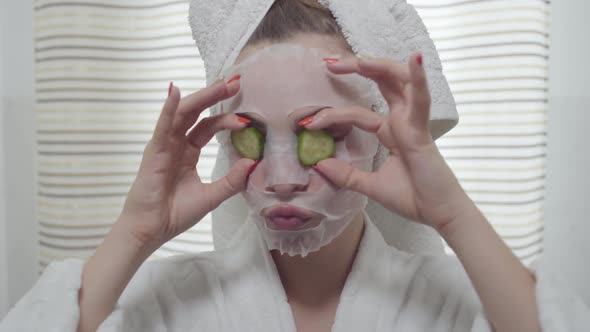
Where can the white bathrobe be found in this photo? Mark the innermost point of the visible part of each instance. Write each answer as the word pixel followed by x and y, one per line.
pixel 238 289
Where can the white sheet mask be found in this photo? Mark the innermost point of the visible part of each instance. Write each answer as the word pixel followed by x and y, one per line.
pixel 277 83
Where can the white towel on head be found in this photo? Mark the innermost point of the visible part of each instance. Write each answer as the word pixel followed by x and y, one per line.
pixel 373 28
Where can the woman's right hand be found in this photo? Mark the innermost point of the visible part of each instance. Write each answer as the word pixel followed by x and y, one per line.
pixel 168 196
pixel 166 199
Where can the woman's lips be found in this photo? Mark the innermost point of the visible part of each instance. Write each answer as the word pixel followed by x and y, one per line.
pixel 287 217
pixel 286 223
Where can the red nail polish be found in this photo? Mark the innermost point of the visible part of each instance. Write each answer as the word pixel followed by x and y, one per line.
pixel 170 89
pixel 244 120
pixel 253 167
pixel 419 59
pixel 235 78
pixel 306 121
pixel 331 60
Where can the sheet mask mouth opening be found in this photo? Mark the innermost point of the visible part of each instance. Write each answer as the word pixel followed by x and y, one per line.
pixel 287 223
pixel 285 217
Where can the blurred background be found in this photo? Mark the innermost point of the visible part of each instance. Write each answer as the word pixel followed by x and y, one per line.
pixel 83 82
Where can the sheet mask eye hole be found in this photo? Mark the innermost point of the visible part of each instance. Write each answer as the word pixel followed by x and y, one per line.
pixel 338 133
pixel 249 142
pixel 314 146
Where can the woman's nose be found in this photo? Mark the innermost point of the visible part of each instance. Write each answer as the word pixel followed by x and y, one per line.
pixel 286 190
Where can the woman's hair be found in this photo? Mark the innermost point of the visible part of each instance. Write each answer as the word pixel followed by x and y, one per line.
pixel 287 18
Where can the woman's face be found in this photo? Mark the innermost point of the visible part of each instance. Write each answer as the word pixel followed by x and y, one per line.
pixel 280 88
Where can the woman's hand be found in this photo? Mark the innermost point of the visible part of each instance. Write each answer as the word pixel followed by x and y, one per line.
pixel 414 181
pixel 168 197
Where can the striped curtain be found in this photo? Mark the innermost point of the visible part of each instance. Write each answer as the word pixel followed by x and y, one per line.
pixel 103 68
pixel 495 56
pixel 102 73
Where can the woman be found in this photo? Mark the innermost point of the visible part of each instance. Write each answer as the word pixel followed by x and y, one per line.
pixel 318 264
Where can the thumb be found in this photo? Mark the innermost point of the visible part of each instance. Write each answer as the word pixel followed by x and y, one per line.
pixel 232 183
pixel 344 175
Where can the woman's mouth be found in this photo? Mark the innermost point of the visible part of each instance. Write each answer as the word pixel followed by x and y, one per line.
pixel 287 217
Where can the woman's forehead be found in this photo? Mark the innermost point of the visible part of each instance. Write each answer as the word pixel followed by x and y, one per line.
pixel 290 77
pixel 329 44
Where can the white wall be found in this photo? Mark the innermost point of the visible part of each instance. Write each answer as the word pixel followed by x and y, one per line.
pixel 3 265
pixel 19 229
pixel 567 246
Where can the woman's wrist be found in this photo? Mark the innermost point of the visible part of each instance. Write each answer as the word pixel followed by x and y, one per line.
pixel 464 211
pixel 505 287
pixel 107 273
pixel 128 240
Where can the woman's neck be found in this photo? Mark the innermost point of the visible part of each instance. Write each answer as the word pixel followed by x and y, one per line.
pixel 320 276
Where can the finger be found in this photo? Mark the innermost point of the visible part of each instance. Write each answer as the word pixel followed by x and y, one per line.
pixel 202 134
pixel 390 76
pixel 190 157
pixel 357 116
pixel 374 67
pixel 420 95
pixel 346 176
pixel 193 105
pixel 349 65
pixel 165 121
pixel 385 69
pixel 233 183
pixel 204 131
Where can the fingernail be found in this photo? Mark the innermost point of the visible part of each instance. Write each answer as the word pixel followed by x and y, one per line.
pixel 170 89
pixel 306 121
pixel 419 59
pixel 331 60
pixel 244 120
pixel 316 168
pixel 235 78
pixel 253 167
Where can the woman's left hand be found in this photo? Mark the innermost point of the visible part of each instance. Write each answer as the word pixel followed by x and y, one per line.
pixel 414 181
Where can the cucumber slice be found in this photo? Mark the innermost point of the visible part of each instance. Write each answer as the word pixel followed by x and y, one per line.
pixel 249 142
pixel 314 146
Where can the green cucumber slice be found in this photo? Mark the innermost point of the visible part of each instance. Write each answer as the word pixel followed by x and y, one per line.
pixel 249 142
pixel 314 146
